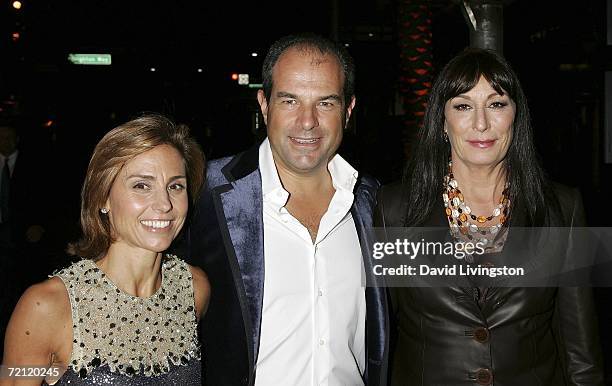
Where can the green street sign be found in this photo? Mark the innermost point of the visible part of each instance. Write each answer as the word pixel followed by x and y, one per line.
pixel 91 59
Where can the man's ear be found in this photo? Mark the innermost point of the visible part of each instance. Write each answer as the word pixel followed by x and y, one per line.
pixel 263 104
pixel 349 110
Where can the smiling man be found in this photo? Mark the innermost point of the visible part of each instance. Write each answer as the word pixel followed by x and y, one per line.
pixel 279 231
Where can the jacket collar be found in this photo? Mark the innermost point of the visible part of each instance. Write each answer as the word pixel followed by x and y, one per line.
pixel 242 165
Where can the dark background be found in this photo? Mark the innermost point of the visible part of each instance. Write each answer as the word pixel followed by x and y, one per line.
pixel 559 52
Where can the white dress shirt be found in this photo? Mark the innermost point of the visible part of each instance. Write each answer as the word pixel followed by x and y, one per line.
pixel 313 319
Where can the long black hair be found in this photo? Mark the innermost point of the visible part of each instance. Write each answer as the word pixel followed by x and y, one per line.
pixel 428 164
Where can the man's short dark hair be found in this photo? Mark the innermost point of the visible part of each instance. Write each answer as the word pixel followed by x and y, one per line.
pixel 310 41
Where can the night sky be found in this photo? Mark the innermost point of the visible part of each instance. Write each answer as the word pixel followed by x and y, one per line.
pixel 194 46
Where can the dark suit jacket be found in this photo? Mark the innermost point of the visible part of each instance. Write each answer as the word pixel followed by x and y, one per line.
pixel 34 191
pixel 226 239
pixel 26 201
pixel 520 336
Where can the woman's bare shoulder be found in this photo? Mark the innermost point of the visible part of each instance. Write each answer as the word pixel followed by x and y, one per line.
pixel 39 323
pixel 42 305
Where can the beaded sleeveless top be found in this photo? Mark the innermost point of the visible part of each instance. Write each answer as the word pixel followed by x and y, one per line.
pixel 128 337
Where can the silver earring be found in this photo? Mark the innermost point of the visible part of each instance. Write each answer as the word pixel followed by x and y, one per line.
pixel 445 137
pixel 104 210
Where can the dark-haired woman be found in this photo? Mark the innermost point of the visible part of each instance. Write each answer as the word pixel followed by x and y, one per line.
pixel 474 171
pixel 126 313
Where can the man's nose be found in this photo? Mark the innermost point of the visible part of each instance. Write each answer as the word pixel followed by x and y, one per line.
pixel 308 117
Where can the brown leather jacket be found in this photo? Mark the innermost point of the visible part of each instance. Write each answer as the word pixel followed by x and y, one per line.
pixel 519 336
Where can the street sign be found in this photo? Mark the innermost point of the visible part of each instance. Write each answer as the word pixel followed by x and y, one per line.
pixel 91 59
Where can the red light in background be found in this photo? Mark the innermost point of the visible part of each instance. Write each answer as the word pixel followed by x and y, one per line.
pixel 15 36
pixel 49 123
pixel 234 76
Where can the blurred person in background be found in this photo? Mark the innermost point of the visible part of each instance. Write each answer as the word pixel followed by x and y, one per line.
pixel 25 212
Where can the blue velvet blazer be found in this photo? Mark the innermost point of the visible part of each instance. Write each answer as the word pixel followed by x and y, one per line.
pixel 226 239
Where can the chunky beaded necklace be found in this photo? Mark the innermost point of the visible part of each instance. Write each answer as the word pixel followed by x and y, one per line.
pixel 466 225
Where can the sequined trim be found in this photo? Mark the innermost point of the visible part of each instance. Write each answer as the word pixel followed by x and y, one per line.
pixel 132 335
